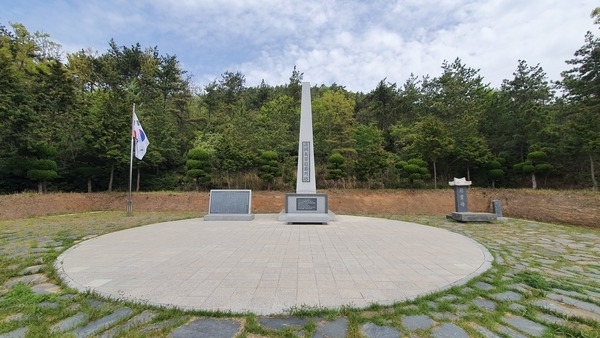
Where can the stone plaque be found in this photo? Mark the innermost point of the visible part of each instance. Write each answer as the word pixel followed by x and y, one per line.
pixel 306 204
pixel 229 202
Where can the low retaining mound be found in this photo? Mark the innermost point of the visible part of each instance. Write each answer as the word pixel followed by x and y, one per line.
pixel 566 207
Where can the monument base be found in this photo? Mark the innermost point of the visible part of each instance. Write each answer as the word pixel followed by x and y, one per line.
pixel 306 208
pixel 472 217
pixel 228 217
pixel 306 218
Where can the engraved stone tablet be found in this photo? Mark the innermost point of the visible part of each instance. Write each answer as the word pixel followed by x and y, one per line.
pixel 460 199
pixel 229 205
pixel 229 202
pixel 306 203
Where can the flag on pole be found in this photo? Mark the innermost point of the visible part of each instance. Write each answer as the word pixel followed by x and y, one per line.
pixel 141 140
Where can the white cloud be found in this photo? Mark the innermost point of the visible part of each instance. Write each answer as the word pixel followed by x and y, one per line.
pixel 352 43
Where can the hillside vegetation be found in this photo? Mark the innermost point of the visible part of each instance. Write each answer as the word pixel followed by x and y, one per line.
pixel 66 124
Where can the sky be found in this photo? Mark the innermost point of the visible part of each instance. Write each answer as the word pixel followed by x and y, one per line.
pixel 352 43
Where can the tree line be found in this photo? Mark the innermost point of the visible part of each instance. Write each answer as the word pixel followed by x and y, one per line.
pixel 66 124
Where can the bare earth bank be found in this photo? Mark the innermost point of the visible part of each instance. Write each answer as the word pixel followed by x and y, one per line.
pixel 567 207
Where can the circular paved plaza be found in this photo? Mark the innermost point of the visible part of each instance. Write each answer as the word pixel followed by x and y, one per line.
pixel 266 267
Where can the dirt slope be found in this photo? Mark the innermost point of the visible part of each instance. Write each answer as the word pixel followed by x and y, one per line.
pixel 568 207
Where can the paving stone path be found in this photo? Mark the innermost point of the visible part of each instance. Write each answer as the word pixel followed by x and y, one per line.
pixel 545 282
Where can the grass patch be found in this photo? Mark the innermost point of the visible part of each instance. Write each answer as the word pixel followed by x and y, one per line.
pixel 312 311
pixel 20 297
pixel 534 279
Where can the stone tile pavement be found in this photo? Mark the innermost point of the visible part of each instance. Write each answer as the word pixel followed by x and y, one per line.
pixel 545 281
pixel 266 267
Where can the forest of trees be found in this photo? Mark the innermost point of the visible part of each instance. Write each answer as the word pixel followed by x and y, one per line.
pixel 65 123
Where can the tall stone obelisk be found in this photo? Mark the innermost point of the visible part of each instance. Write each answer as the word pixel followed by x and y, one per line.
pixel 306 206
pixel 305 178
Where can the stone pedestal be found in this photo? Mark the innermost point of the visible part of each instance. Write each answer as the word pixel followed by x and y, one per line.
pixel 306 208
pixel 473 217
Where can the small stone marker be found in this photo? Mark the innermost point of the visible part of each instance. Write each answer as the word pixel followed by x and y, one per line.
pixel 460 194
pixel 230 205
pixel 461 207
pixel 497 208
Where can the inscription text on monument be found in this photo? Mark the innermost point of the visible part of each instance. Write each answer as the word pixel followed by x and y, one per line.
pixel 305 161
pixel 229 202
pixel 229 205
pixel 306 203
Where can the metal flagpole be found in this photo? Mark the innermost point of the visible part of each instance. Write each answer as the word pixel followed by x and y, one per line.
pixel 129 200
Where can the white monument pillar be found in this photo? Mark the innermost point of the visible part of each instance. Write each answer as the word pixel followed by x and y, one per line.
pixel 306 206
pixel 305 178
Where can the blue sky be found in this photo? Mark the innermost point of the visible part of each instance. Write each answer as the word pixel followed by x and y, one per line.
pixel 353 43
